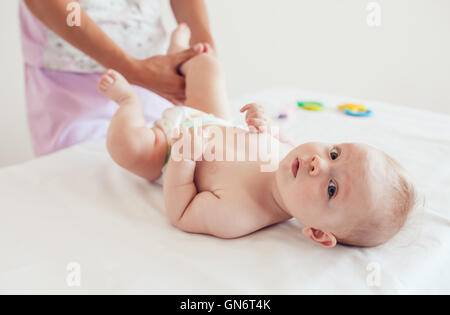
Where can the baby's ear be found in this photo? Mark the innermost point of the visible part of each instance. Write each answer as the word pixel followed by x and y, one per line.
pixel 323 238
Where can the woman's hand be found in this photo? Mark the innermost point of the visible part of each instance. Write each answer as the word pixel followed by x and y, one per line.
pixel 256 118
pixel 161 74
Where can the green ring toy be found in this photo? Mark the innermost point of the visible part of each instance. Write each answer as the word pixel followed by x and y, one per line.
pixel 312 106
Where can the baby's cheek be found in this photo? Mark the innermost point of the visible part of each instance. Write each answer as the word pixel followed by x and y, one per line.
pixel 293 198
pixel 308 198
pixel 308 206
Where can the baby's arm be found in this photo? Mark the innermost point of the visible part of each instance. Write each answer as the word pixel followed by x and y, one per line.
pixel 259 122
pixel 186 208
pixel 207 212
pixel 179 188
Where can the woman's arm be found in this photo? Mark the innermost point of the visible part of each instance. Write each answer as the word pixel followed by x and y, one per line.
pixel 88 37
pixel 158 73
pixel 195 15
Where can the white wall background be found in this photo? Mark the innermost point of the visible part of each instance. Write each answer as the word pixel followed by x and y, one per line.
pixel 320 45
pixel 15 145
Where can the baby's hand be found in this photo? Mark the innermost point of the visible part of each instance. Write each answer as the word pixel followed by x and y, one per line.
pixel 256 118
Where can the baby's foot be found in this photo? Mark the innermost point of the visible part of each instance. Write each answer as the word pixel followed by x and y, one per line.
pixel 180 39
pixel 114 86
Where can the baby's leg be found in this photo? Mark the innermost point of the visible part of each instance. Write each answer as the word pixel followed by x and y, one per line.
pixel 205 81
pixel 130 142
pixel 205 86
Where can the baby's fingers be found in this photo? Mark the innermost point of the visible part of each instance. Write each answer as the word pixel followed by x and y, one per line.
pixel 258 115
pixel 245 108
pixel 259 124
pixel 251 106
pixel 256 121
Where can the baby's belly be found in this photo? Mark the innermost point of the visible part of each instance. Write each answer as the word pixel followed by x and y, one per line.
pixel 231 155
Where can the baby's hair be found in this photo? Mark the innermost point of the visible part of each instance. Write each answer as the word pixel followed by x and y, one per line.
pixel 382 224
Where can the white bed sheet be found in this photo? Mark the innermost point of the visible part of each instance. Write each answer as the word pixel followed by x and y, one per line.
pixel 78 206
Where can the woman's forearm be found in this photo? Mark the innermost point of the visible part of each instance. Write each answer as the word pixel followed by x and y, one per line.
pixel 88 37
pixel 195 15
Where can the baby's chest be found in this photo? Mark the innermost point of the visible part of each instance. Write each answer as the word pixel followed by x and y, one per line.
pixel 230 176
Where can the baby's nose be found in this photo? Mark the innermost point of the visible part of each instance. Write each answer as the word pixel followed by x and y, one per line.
pixel 314 165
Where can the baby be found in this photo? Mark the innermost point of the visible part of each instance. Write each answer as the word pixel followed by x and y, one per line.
pixel 348 193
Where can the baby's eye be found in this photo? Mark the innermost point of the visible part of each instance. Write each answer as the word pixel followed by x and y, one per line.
pixel 334 154
pixel 331 189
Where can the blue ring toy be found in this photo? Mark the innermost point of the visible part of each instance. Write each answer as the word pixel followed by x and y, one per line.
pixel 367 113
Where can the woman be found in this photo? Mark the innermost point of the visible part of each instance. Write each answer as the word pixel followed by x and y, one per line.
pixel 64 62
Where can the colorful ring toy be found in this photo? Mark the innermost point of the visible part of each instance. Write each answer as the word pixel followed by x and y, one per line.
pixel 312 106
pixel 353 107
pixel 366 113
pixel 355 110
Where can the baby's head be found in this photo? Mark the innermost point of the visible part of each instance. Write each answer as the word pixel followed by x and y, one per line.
pixel 349 193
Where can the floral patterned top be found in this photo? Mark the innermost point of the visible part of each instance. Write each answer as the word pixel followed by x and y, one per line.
pixel 134 25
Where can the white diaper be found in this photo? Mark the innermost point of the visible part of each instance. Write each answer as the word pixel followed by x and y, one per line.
pixel 187 117
pixel 184 117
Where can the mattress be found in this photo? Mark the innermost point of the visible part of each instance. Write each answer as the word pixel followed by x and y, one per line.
pixel 76 223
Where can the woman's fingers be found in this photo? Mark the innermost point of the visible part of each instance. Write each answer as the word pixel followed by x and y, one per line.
pixel 174 90
pixel 187 54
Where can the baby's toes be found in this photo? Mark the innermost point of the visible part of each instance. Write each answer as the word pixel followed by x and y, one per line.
pixel 106 82
pixel 114 86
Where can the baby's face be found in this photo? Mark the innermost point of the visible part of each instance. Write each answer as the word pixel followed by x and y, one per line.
pixel 327 186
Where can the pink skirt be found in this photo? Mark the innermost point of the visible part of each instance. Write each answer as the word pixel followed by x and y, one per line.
pixel 65 108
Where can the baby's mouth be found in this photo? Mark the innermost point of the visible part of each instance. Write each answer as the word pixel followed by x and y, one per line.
pixel 295 167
